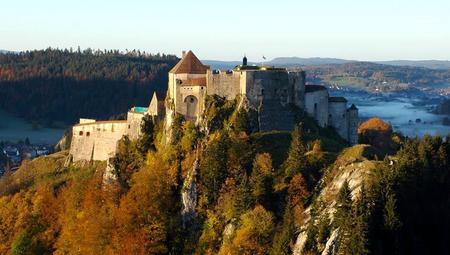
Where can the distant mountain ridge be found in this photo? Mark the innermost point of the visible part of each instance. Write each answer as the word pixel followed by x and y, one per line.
pixel 432 64
pixel 316 61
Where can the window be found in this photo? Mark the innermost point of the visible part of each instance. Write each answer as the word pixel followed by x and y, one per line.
pixel 191 99
pixel 81 133
pixel 88 133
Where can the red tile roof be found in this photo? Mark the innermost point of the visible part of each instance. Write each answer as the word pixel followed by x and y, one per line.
pixel 189 64
pixel 194 82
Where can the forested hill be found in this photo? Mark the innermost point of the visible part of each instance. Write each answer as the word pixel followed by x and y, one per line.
pixel 53 85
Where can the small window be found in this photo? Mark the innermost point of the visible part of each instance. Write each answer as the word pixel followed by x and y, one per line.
pixel 192 100
pixel 129 126
pixel 81 133
pixel 88 133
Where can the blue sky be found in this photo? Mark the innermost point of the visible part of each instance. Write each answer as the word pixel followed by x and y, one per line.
pixel 351 29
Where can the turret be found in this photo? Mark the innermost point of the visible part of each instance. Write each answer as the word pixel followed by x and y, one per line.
pixel 244 61
pixel 353 123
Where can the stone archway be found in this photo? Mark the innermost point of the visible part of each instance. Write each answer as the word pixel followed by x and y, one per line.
pixel 191 107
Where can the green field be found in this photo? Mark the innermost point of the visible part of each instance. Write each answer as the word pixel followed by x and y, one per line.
pixel 14 129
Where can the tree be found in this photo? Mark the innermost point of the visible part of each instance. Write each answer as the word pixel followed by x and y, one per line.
pixel 342 217
pixel 296 161
pixel 126 161
pixel 146 140
pixel 261 178
pixel 213 166
pixel 191 135
pixel 254 234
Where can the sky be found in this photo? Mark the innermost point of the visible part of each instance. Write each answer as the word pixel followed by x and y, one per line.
pixel 226 30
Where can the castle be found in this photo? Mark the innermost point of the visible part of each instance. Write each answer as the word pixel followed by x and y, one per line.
pixel 270 91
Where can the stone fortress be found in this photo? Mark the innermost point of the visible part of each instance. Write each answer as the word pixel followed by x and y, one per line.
pixel 270 91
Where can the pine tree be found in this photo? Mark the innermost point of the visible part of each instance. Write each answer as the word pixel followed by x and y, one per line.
pixel 343 217
pixel 146 140
pixel 296 161
pixel 261 178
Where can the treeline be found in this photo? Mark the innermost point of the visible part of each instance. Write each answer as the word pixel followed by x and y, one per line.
pixel 56 85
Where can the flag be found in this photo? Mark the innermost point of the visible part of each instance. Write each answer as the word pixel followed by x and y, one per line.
pixel 264 57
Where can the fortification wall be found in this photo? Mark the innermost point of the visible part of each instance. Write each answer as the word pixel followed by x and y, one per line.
pixel 223 83
pixel 316 105
pixel 134 121
pixel 191 101
pixel 179 92
pixel 97 140
pixel 270 85
pixel 297 85
pixel 353 123
pixel 337 118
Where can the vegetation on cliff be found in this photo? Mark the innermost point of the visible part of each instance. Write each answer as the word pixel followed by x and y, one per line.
pixel 64 85
pixel 254 193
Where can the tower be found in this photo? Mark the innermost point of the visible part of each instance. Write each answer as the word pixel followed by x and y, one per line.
pixel 353 123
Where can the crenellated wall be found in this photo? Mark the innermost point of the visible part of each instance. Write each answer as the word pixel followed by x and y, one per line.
pixel 223 83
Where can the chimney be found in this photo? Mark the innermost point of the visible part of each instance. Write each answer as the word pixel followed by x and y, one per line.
pixel 183 53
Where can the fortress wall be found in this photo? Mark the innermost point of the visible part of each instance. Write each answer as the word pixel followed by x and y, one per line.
pixel 224 84
pixel 297 84
pixel 134 120
pixel 185 95
pixel 179 91
pixel 316 105
pixel 353 123
pixel 267 85
pixel 337 118
pixel 97 140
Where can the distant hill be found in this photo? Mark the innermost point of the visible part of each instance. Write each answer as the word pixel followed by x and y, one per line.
pixel 432 64
pixel 281 61
pixel 296 61
pixel 53 86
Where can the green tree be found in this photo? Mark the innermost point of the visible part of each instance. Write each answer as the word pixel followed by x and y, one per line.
pixel 213 165
pixel 146 140
pixel 261 178
pixel 296 161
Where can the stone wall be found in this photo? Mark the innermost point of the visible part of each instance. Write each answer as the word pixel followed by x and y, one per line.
pixel 316 105
pixel 178 93
pixel 270 85
pixel 223 83
pixel 134 121
pixel 353 123
pixel 337 118
pixel 297 84
pixel 96 141
pixel 191 101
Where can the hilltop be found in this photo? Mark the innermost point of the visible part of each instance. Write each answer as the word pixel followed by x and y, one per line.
pixel 220 188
